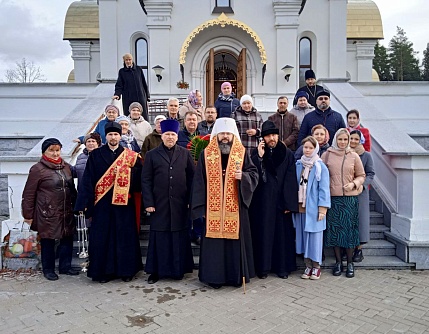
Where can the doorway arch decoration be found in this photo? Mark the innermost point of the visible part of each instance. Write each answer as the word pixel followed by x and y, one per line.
pixel 222 20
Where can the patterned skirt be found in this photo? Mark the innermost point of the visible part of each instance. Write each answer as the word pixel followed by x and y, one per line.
pixel 342 222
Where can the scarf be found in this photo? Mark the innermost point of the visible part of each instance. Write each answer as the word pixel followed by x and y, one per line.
pixel 54 161
pixel 308 163
pixel 192 98
pixel 357 128
pixel 335 143
pixel 227 98
pixel 128 139
pixel 359 149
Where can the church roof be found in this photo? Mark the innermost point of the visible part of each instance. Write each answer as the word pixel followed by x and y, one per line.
pixel 363 20
pixel 81 21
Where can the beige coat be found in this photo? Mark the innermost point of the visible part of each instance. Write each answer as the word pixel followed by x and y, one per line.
pixel 188 107
pixel 140 128
pixel 344 167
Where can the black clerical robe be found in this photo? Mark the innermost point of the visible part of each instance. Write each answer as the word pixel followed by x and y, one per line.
pixel 273 233
pixel 226 261
pixel 166 185
pixel 114 247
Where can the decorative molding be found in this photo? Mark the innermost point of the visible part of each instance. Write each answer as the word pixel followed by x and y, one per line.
pixel 223 21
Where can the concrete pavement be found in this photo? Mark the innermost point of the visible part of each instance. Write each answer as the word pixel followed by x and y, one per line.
pixel 375 301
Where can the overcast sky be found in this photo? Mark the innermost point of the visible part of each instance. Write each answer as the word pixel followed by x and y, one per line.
pixel 34 29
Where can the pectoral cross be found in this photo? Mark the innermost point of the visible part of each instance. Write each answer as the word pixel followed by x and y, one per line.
pixel 213 157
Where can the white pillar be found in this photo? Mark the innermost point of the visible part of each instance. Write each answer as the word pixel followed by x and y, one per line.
pixel 337 38
pixel 82 56
pixel 286 24
pixel 108 40
pixel 364 56
pixel 159 25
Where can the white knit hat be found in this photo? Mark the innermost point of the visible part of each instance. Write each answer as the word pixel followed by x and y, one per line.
pixel 246 98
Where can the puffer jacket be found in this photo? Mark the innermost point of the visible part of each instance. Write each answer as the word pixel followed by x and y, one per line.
pixel 152 141
pixel 344 167
pixel 48 198
pixel 140 128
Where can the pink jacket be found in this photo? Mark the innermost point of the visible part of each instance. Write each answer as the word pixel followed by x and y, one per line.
pixel 344 167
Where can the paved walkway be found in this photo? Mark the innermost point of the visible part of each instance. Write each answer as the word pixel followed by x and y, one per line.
pixel 375 301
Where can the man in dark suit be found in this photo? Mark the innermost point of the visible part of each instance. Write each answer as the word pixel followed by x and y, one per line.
pixel 167 176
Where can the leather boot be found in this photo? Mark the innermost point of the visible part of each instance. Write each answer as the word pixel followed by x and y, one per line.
pixel 350 273
pixel 338 269
pixel 357 255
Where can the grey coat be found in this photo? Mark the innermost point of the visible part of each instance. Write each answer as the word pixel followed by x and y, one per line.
pixel 364 216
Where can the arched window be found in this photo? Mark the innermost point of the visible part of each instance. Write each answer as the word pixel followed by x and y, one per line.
pixel 304 58
pixel 142 56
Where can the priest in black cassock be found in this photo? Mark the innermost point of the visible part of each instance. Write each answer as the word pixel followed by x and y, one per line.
pixel 274 200
pixel 224 182
pixel 111 175
pixel 167 176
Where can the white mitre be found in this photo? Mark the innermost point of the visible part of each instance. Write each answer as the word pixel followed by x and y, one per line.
pixel 225 124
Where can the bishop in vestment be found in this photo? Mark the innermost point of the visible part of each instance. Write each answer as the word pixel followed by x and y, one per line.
pixel 223 185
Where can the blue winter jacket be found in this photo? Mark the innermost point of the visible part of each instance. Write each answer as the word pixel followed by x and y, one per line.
pixel 330 119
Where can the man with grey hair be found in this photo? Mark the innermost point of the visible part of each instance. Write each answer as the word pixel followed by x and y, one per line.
pixel 173 111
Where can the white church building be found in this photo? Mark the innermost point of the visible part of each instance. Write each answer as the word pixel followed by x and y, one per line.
pixel 263 48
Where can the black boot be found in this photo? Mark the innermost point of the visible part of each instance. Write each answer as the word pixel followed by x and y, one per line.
pixel 357 255
pixel 350 273
pixel 338 269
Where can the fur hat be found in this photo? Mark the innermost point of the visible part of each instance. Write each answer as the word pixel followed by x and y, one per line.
pixel 268 127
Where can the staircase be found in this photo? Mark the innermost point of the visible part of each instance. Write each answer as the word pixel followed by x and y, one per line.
pixel 378 252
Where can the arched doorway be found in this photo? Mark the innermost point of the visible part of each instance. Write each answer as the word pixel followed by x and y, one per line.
pixel 225 66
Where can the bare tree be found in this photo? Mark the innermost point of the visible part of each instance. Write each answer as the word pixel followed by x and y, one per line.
pixel 25 72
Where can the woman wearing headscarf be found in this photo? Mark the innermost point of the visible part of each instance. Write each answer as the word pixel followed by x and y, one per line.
pixel 353 123
pixel 47 205
pixel 314 200
pixel 347 176
pixel 194 104
pixel 364 217
pixel 131 85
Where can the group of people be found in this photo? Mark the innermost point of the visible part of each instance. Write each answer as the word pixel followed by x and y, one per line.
pixel 259 193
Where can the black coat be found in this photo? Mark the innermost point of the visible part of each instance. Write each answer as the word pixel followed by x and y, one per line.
pixel 166 186
pixel 222 260
pixel 311 91
pixel 114 248
pixel 273 233
pixel 131 84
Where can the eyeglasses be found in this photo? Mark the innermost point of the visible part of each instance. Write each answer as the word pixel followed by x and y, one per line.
pixel 323 98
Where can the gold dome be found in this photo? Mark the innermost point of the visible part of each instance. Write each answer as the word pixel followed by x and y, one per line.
pixel 375 76
pixel 363 20
pixel 70 78
pixel 82 21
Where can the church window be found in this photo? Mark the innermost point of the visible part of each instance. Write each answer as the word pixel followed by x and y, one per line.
pixel 222 6
pixel 304 58
pixel 142 55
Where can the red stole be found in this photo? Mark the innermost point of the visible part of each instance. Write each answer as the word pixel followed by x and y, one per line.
pixel 223 217
pixel 118 176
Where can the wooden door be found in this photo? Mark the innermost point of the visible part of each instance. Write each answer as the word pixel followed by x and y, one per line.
pixel 241 74
pixel 210 79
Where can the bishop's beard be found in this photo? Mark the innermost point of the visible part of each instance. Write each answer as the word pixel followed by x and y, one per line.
pixel 225 148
